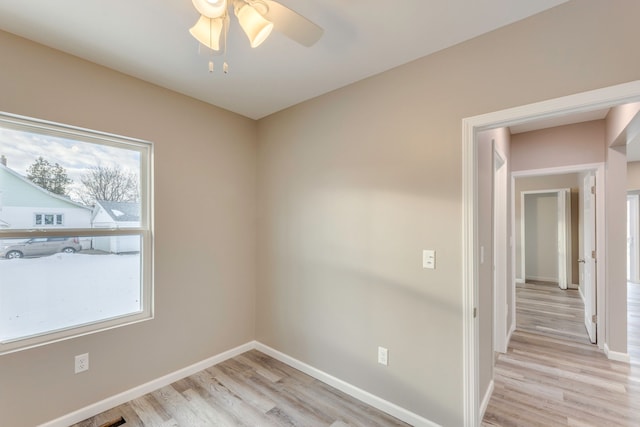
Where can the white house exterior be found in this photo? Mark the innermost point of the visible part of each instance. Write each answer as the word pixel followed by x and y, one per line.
pixel 116 215
pixel 25 205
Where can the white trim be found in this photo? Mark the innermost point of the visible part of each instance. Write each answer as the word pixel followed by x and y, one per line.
pixel 633 248
pixel 512 329
pixel 146 231
pixel 470 326
pixel 362 395
pixel 616 355
pixel 582 102
pixel 519 280
pixel 141 390
pixel 486 399
pixel 558 170
pixel 501 252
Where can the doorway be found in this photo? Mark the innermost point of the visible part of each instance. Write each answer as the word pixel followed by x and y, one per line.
pixel 563 252
pixel 546 236
pixel 574 104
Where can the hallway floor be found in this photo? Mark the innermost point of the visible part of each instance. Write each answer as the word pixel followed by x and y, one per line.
pixel 552 376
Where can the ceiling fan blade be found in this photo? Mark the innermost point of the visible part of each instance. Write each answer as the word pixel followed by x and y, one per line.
pixel 292 24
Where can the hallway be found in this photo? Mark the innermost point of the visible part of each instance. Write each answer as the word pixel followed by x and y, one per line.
pixel 552 375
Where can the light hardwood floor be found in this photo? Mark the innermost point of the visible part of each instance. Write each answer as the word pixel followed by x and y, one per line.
pixel 252 389
pixel 552 376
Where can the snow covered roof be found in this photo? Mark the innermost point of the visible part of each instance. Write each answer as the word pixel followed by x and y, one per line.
pixel 121 211
pixel 24 180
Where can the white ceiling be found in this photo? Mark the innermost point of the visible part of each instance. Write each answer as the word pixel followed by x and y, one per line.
pixel 149 39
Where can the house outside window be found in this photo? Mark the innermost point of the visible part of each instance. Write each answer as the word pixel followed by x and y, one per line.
pixel 49 219
pixel 63 272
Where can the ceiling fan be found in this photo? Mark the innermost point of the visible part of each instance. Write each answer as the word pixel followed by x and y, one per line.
pixel 257 19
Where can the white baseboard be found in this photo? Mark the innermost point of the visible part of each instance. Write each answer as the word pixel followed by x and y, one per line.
pixel 581 292
pixel 364 396
pixel 141 390
pixel 486 399
pixel 616 355
pixel 520 280
pixel 512 329
pixel 118 399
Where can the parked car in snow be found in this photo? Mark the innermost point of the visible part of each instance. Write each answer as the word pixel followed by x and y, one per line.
pixel 39 246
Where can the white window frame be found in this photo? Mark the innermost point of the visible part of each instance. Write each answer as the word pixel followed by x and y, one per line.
pixel 44 222
pixel 145 230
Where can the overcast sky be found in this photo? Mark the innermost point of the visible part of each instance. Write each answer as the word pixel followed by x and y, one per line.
pixel 22 149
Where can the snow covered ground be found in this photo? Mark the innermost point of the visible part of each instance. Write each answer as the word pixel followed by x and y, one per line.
pixel 62 290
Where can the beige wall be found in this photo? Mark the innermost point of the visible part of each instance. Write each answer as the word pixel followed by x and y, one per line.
pixel 541 237
pixel 488 235
pixel 616 215
pixel 576 144
pixel 618 121
pixel 354 184
pixel 633 176
pixel 503 146
pixel 351 187
pixel 205 195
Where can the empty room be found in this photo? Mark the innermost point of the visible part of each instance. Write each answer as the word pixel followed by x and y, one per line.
pixel 314 217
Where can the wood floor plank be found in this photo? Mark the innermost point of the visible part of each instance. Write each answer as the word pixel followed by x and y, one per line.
pixel 177 405
pixel 218 395
pixel 552 375
pixel 150 411
pixel 251 389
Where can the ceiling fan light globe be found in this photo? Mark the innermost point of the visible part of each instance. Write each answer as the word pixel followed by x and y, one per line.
pixel 255 26
pixel 211 8
pixel 207 31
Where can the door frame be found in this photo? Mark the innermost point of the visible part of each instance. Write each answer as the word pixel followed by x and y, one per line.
pixel 633 227
pixel 471 126
pixel 499 214
pixel 599 170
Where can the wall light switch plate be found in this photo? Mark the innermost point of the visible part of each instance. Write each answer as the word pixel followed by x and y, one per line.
pixel 383 356
pixel 429 259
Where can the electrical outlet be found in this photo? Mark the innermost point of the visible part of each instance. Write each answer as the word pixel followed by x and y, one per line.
pixel 383 356
pixel 82 363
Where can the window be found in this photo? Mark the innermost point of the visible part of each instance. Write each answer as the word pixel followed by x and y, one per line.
pixel 48 219
pixel 76 232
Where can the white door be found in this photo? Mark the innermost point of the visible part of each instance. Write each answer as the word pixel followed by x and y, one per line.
pixel 588 285
pixel 564 238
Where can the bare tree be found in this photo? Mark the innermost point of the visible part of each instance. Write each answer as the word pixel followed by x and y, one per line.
pixel 109 183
